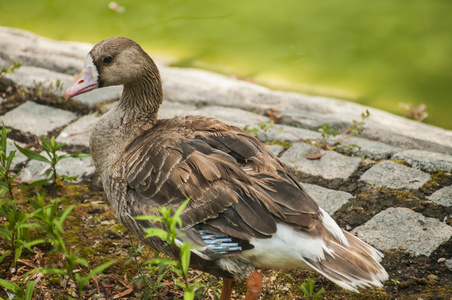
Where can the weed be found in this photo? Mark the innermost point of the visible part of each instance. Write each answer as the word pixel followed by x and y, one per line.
pixel 51 147
pixel 328 133
pixel 16 231
pixel 17 291
pixel 50 220
pixel 172 222
pixel 261 127
pixel 152 284
pixel 209 290
pixel 16 65
pixel 307 288
pixel 6 179
pixel 42 89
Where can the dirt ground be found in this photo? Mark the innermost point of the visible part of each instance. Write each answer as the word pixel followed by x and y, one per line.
pixel 93 230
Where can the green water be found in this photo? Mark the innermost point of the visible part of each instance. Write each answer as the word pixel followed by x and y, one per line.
pixel 378 53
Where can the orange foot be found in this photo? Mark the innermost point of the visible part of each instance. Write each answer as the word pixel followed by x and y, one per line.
pixel 254 286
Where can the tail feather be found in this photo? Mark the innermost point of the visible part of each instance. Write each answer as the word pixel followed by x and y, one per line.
pixel 353 266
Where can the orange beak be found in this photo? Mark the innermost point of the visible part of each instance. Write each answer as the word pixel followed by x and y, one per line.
pixel 82 84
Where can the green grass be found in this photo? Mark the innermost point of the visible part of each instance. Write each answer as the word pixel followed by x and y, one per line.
pixel 377 53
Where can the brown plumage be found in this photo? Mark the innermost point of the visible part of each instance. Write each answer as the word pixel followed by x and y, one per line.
pixel 238 188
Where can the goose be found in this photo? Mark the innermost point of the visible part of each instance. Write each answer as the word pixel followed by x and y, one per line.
pixel 246 210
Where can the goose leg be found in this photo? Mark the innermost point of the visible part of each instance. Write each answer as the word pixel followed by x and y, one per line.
pixel 226 290
pixel 254 286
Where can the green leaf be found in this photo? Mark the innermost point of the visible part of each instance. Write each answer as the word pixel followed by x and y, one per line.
pixel 10 286
pixel 189 295
pixel 10 159
pixel 160 233
pixel 17 252
pixel 152 218
pixel 58 146
pixel 69 178
pixel 3 137
pixel 54 271
pixel 3 185
pixel 36 183
pixel 29 290
pixel 32 243
pixel 81 261
pixel 75 155
pixel 185 252
pixel 5 232
pixel 321 291
pixel 304 290
pixel 181 208
pixel 32 154
pixel 97 270
pixel 179 212
pixel 2 257
pixel 62 216
pixel 162 261
pixel 45 143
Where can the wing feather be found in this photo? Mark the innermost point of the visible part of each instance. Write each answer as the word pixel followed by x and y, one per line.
pixel 236 185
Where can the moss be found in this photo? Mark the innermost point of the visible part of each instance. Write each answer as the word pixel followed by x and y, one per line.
pixel 403 195
pixel 54 280
pixel 439 178
pixel 401 162
pixel 87 252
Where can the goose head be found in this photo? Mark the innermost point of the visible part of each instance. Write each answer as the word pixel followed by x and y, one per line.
pixel 117 61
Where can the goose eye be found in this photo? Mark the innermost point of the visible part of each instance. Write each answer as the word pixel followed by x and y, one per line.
pixel 107 59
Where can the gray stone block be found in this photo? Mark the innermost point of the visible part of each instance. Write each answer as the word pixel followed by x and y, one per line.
pixel 330 166
pixel 329 200
pixel 448 263
pixel 234 116
pixel 371 149
pixel 403 229
pixel 287 134
pixel 33 50
pixel 79 132
pixel 192 86
pixel 37 119
pixel 18 156
pixel 426 160
pixel 171 109
pixel 46 80
pixel 275 149
pixel 442 196
pixel 396 176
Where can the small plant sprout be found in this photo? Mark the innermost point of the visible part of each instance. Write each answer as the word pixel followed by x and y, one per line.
pixel 16 231
pixel 152 284
pixel 16 65
pixel 51 147
pixel 17 291
pixel 6 179
pixel 41 89
pixel 307 288
pixel 328 133
pixel 50 220
pixel 172 222
pixel 261 127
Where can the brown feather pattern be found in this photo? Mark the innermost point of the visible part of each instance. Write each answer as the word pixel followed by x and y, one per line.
pixel 237 187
